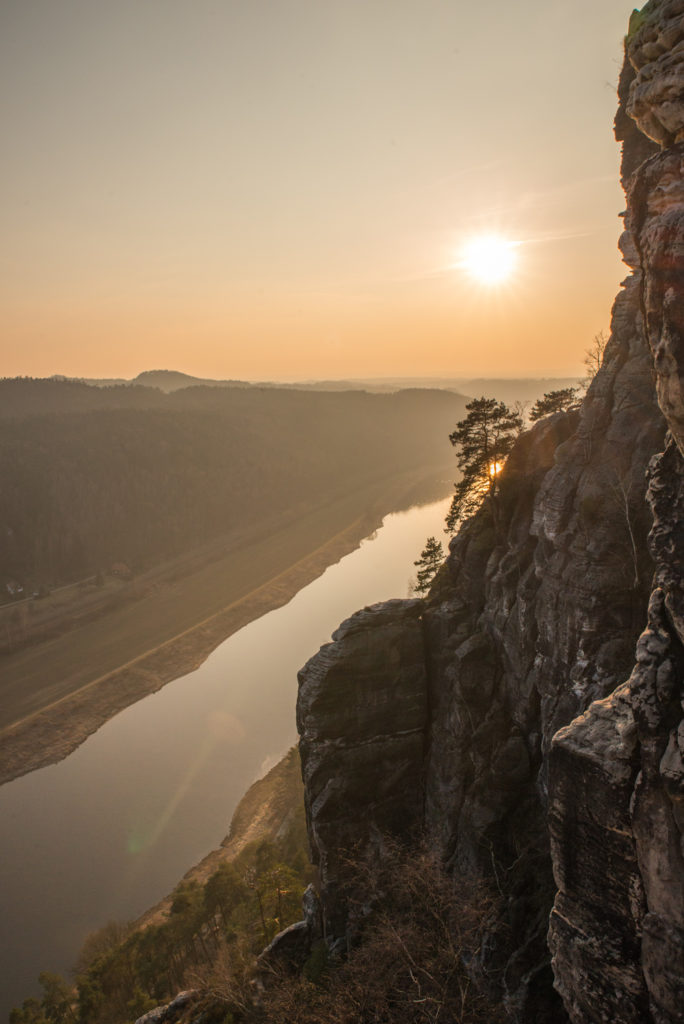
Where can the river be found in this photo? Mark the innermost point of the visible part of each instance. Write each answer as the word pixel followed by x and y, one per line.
pixel 110 830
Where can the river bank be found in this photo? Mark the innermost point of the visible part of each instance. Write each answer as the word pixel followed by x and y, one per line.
pixel 267 809
pixel 237 589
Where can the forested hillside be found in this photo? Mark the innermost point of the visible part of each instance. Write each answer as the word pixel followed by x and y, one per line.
pixel 131 476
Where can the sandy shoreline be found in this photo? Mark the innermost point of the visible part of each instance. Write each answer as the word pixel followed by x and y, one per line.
pixel 52 733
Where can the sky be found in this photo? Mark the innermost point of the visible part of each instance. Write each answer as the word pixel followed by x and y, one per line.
pixel 283 189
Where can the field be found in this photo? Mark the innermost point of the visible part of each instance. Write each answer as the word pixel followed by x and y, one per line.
pixel 59 691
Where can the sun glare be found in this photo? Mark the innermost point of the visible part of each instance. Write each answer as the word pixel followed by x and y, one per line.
pixel 490 259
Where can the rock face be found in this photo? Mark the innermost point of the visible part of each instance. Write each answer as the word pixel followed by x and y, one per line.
pixel 616 821
pixel 508 714
pixel 362 715
pixel 617 800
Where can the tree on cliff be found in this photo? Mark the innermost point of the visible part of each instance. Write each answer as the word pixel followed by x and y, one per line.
pixel 484 437
pixel 56 1006
pixel 431 558
pixel 554 401
pixel 593 357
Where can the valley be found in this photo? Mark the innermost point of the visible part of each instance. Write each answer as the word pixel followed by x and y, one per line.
pixel 57 692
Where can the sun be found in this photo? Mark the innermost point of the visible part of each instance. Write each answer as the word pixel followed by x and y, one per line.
pixel 490 259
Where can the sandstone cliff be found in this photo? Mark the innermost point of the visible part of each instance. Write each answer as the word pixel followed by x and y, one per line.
pixel 508 715
pixel 617 796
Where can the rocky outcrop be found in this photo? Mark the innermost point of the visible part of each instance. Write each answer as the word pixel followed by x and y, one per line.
pixel 616 821
pixel 655 103
pixel 178 1009
pixel 594 935
pixel 539 741
pixel 617 929
pixel 362 715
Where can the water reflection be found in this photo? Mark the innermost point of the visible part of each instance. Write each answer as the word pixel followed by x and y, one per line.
pixel 111 829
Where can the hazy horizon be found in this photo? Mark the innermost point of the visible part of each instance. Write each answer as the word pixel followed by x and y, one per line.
pixel 380 378
pixel 283 191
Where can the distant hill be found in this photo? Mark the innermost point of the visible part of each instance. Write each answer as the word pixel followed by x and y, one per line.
pixel 131 475
pixel 165 380
pixel 174 380
pixel 506 389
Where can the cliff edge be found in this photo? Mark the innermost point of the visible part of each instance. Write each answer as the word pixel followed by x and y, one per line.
pixel 507 716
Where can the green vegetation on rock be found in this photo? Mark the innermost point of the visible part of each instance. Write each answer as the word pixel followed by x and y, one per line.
pixel 555 401
pixel 431 558
pixel 636 20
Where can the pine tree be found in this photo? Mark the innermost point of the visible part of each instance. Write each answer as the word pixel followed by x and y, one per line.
pixel 429 562
pixel 484 437
pixel 554 401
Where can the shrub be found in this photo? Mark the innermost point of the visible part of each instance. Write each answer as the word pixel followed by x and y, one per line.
pixel 419 935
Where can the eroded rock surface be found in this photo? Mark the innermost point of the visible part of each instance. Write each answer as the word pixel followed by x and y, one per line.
pixel 362 714
pixel 617 929
pixel 655 51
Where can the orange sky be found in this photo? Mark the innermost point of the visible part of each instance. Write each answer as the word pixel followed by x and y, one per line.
pixel 280 189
